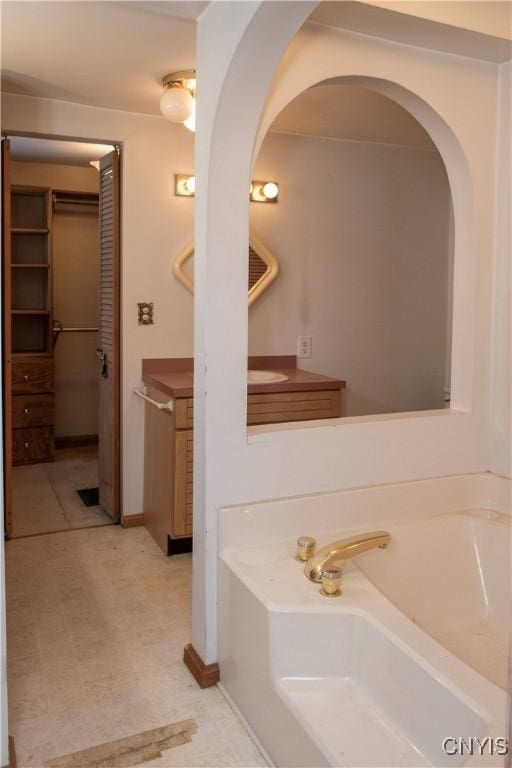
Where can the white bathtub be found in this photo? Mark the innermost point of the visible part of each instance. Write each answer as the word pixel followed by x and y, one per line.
pixel 450 574
pixel 413 652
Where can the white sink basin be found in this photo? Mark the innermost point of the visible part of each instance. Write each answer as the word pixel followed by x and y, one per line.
pixel 265 377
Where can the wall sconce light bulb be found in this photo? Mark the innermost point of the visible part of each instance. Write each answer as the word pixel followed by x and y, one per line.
pixel 190 185
pixel 263 191
pixel 270 190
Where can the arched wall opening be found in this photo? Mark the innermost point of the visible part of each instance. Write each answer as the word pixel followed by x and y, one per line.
pixel 462 320
pixel 242 92
pixel 362 230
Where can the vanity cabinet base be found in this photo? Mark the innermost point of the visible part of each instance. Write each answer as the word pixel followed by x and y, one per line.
pixel 169 454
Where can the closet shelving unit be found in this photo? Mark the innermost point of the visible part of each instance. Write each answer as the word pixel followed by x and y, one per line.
pixel 31 270
pixel 31 325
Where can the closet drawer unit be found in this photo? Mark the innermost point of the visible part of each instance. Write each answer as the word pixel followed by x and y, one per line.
pixel 181 522
pixel 32 375
pixel 33 411
pixel 32 445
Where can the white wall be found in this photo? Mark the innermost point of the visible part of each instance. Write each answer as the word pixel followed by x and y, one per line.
pixel 155 226
pixel 501 383
pixel 361 232
pixel 455 99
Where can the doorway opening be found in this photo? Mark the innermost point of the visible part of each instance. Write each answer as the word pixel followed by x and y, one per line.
pixel 61 334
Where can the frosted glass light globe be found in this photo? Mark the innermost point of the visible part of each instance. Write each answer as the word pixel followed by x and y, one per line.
pixel 176 104
pixel 190 122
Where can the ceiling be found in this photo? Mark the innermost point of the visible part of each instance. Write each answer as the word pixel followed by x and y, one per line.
pixel 107 54
pixel 337 111
pixel 479 29
pixel 27 149
pixel 114 55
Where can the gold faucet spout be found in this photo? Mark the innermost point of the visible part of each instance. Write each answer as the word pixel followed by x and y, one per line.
pixel 333 555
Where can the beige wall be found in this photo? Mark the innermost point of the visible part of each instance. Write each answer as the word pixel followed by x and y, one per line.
pixel 361 231
pixel 75 294
pixel 155 226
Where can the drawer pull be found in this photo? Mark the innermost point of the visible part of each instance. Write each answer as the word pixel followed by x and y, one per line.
pixel 25 377
pixel 26 411
pixel 27 445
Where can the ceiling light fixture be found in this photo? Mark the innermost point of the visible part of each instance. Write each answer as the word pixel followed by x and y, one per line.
pixel 178 100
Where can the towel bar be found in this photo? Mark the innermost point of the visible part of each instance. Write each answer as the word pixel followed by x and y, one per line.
pixel 169 406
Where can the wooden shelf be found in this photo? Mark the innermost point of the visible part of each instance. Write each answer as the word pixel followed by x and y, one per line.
pixel 30 266
pixel 30 311
pixel 29 230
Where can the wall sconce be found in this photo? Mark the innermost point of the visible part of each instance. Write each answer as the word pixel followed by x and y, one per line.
pixel 259 192
pixel 184 185
pixel 178 100
pixel 264 192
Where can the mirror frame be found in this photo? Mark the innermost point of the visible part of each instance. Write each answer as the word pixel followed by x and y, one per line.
pixel 259 287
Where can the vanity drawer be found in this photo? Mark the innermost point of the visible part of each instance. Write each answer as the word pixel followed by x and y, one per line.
pixel 293 406
pixel 184 412
pixel 32 445
pixel 32 411
pixel 31 375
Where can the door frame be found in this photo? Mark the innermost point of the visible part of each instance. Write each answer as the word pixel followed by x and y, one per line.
pixel 6 371
pixel 6 336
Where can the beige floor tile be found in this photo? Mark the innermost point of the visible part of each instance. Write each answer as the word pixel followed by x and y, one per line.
pixel 102 657
pixel 45 495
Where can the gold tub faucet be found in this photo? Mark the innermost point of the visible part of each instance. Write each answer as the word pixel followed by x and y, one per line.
pixel 334 555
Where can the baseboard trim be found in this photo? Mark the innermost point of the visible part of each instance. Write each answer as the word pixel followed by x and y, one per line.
pixel 76 441
pixel 132 521
pixel 12 753
pixel 205 675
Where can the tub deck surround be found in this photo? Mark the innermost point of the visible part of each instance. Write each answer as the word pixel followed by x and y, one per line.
pixel 175 376
pixel 376 677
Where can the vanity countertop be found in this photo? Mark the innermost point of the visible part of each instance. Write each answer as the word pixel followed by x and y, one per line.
pixel 175 376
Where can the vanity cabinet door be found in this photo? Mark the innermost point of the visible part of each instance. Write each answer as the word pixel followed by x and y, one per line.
pixel 183 484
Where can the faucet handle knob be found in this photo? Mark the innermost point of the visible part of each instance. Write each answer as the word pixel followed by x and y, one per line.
pixel 331 582
pixel 305 548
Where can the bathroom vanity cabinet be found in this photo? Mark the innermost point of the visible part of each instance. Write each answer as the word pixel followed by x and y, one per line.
pixel 169 437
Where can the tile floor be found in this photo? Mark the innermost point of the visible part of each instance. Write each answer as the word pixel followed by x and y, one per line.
pixel 97 620
pixel 45 497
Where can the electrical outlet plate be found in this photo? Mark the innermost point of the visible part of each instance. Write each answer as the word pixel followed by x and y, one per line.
pixel 304 344
pixel 145 312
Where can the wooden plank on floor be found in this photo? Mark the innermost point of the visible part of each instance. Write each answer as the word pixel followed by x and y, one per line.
pixel 129 751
